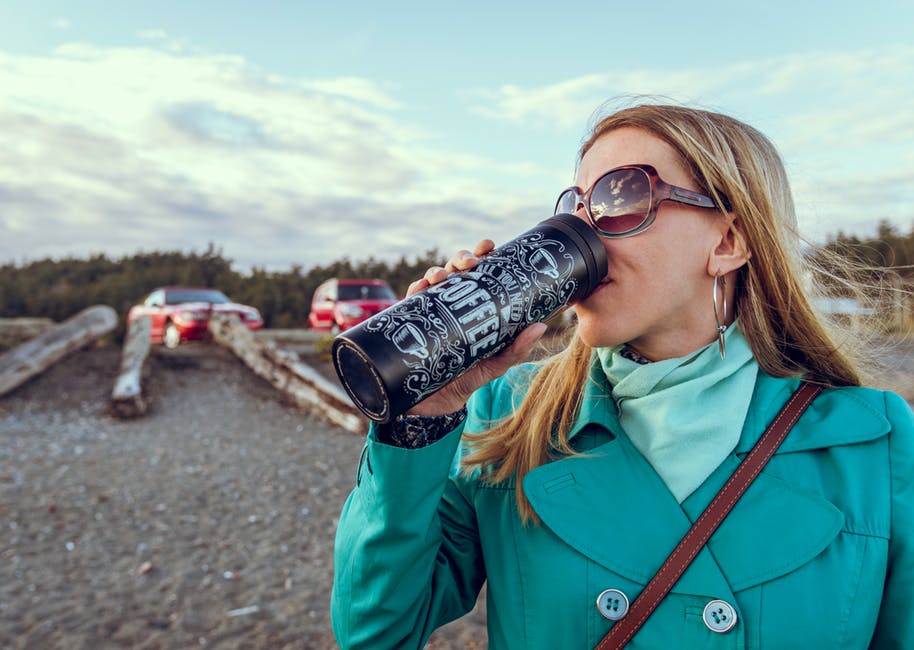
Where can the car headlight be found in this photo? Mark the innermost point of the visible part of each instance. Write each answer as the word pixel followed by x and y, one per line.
pixel 351 311
pixel 252 315
pixel 191 316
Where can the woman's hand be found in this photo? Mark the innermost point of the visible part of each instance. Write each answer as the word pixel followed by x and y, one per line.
pixel 454 395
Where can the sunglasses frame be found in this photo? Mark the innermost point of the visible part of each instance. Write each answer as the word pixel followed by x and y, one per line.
pixel 660 191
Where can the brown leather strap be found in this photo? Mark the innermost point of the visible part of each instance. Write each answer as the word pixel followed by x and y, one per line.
pixel 701 531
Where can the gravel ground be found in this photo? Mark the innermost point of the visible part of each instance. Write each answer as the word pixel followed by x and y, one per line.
pixel 207 523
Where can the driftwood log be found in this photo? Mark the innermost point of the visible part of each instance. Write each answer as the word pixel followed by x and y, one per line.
pixel 127 400
pixel 14 331
pixel 38 354
pixel 308 388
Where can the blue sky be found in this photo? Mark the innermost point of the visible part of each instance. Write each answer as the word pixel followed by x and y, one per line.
pixel 299 132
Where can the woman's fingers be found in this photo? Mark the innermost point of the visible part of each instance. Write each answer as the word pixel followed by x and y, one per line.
pixel 435 274
pixel 484 247
pixel 416 287
pixel 455 394
pixel 463 260
pixel 514 354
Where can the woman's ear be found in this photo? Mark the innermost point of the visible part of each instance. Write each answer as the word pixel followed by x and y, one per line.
pixel 732 250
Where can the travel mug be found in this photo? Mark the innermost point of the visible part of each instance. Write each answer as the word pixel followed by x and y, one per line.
pixel 401 355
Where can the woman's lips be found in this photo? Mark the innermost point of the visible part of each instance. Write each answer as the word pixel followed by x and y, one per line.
pixel 602 285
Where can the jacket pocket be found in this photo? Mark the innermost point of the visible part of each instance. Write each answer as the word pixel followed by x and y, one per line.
pixel 830 602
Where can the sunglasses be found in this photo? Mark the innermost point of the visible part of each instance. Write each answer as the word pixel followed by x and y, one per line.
pixel 624 200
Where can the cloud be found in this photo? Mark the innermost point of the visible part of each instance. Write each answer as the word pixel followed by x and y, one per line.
pixel 208 125
pixel 361 90
pixel 562 103
pixel 569 103
pixel 871 75
pixel 854 203
pixel 167 147
pixel 164 146
pixel 162 40
pixel 844 121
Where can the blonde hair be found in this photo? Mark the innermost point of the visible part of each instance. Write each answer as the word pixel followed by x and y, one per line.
pixel 788 338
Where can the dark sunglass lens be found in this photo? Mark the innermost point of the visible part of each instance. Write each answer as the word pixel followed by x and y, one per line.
pixel 566 203
pixel 621 200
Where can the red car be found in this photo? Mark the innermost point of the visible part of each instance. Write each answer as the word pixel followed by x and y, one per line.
pixel 182 313
pixel 340 304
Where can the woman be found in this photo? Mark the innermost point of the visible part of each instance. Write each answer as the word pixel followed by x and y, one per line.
pixel 578 475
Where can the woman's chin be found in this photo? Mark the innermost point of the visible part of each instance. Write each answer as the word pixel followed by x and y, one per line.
pixel 594 336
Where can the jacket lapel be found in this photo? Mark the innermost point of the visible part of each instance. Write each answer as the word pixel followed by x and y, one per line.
pixel 838 416
pixel 610 505
pixel 772 530
pixel 777 527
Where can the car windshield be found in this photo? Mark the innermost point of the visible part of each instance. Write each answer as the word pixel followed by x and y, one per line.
pixel 365 292
pixel 178 296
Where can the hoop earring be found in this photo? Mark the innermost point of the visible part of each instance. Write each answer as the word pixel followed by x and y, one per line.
pixel 721 328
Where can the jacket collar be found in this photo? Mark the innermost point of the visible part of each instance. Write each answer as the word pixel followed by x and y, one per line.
pixel 827 417
pixel 825 422
pixel 597 405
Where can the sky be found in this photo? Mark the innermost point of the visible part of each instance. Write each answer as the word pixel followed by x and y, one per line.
pixel 296 133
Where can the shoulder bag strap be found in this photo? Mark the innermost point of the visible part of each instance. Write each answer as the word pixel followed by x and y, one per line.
pixel 701 531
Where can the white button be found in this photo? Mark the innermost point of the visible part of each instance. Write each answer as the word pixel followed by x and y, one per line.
pixel 719 616
pixel 613 604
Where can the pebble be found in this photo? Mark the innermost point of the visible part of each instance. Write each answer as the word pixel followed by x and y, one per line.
pixel 243 611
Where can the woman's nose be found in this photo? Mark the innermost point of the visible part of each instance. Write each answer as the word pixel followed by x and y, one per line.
pixel 581 213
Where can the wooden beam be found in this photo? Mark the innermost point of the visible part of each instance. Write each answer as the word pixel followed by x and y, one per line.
pixel 307 388
pixel 127 400
pixel 14 331
pixel 36 355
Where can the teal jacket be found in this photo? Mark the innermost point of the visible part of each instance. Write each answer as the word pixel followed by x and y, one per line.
pixel 819 553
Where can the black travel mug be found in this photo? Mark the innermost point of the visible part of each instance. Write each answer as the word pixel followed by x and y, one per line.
pixel 403 354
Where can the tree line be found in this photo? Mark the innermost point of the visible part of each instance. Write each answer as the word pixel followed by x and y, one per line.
pixel 58 289
pixel 889 248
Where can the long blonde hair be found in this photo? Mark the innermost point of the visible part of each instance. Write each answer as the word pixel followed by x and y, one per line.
pixel 787 336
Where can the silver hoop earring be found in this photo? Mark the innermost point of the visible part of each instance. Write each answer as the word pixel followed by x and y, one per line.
pixel 721 327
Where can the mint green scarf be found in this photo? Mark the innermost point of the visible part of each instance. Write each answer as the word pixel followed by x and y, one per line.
pixel 684 415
